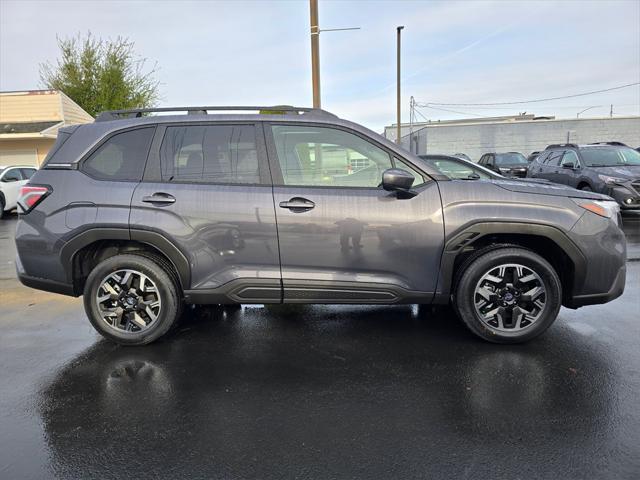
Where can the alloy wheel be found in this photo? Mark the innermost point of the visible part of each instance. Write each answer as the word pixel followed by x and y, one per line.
pixel 510 297
pixel 128 301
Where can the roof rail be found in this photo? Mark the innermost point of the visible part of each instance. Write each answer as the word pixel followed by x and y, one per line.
pixel 559 145
pixel 269 110
pixel 619 144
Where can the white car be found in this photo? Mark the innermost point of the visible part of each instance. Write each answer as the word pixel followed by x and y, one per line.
pixel 11 179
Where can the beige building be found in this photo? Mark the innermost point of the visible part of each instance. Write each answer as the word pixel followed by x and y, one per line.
pixel 29 123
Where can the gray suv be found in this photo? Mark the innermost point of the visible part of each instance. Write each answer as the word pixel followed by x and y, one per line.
pixel 611 168
pixel 144 213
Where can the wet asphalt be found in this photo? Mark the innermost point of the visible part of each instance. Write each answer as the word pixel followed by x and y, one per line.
pixel 317 392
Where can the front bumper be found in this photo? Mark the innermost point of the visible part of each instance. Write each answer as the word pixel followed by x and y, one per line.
pixel 626 195
pixel 604 247
pixel 617 289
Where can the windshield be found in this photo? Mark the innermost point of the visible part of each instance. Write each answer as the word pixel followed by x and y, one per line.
pixel 510 158
pixel 609 156
pixel 459 170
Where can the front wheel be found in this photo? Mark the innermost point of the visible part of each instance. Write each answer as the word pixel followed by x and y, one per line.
pixel 508 295
pixel 131 299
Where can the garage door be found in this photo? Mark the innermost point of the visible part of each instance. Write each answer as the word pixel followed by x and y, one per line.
pixel 18 157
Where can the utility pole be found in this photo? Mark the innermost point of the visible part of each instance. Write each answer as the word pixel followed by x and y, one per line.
pixel 315 49
pixel 399 36
pixel 611 111
pixel 315 53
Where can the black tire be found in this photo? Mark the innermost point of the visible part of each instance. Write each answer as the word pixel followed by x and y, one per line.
pixel 586 188
pixel 1 208
pixel 465 293
pixel 168 292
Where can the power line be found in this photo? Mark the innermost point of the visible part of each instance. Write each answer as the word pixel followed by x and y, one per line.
pixel 528 101
pixel 451 111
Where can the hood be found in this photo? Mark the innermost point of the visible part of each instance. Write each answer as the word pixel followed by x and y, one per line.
pixel 624 171
pixel 552 189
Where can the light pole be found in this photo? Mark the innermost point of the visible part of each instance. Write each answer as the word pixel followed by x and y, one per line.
pixel 578 114
pixel 399 37
pixel 315 50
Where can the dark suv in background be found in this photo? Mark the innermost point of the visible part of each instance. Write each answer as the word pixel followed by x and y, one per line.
pixel 611 168
pixel 510 164
pixel 142 214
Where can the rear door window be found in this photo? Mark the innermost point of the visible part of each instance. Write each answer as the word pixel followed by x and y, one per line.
pixel 210 154
pixel 121 157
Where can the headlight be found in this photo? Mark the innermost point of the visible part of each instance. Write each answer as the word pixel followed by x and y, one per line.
pixel 504 170
pixel 604 208
pixel 611 180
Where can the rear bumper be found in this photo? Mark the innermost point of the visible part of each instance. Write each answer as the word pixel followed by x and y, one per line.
pixel 42 283
pixel 46 285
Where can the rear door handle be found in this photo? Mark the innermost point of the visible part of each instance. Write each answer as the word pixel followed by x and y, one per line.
pixel 298 204
pixel 159 198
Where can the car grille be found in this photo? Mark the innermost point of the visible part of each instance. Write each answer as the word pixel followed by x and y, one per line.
pixel 519 172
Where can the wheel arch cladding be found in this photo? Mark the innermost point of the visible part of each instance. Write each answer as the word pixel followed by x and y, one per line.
pixel 86 249
pixel 548 241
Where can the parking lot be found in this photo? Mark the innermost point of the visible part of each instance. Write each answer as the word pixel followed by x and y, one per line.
pixel 317 392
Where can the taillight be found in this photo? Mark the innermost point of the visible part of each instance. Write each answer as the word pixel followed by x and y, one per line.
pixel 30 196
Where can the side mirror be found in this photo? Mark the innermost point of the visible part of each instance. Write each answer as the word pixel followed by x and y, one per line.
pixel 398 180
pixel 570 165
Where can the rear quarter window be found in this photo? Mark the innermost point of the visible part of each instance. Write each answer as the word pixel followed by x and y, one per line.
pixel 121 157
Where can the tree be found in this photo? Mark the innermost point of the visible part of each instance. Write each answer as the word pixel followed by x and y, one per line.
pixel 101 74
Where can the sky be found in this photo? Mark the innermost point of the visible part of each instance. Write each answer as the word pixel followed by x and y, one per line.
pixel 258 52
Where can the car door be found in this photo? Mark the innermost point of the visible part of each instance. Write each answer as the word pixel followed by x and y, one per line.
pixel 12 180
pixel 342 238
pixel 207 191
pixel 490 163
pixel 566 174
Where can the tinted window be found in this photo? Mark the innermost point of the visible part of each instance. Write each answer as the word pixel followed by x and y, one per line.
pixel 210 153
pixel 12 175
pixel 553 160
pixel 542 157
pixel 510 158
pixel 608 156
pixel 27 173
pixel 570 157
pixel 458 170
pixel 328 157
pixel 419 178
pixel 121 157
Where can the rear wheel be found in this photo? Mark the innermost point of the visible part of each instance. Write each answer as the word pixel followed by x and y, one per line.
pixel 131 299
pixel 508 295
pixel 586 188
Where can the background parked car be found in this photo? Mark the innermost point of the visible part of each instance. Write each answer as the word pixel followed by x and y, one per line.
pixel 11 179
pixel 464 156
pixel 460 169
pixel 532 156
pixel 509 164
pixel 611 168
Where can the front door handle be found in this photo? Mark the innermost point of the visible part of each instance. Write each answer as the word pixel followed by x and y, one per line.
pixel 159 198
pixel 298 205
